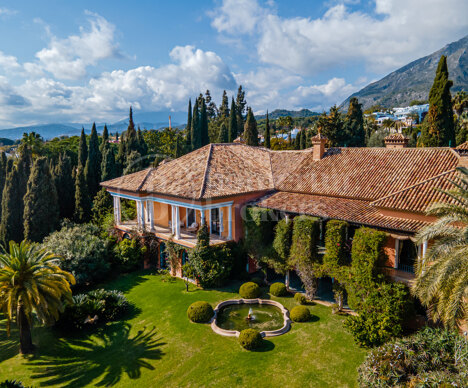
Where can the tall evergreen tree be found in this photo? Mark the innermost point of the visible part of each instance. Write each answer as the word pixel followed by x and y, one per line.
pixel 196 130
pixel 250 129
pixel 82 200
pixel 188 128
pixel 438 128
pixel 211 108
pixel 41 210
pixel 223 134
pixel 3 175
pixel 82 150
pixel 11 225
pixel 131 136
pixel 142 146
pixel 24 169
pixel 303 142
pixel 204 124
pixel 108 165
pixel 105 139
pixel 267 134
pixel 232 122
pixel 224 107
pixel 93 164
pixel 65 186
pixel 240 105
pixel 354 125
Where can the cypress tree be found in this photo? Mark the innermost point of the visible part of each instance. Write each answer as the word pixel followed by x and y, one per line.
pixel 108 166
pixel 354 125
pixel 204 124
pixel 223 134
pixel 93 164
pixel 82 150
pixel 267 134
pixel 438 128
pixel 250 129
pixel 303 141
pixel 196 132
pixel 82 200
pixel 131 136
pixel 24 169
pixel 142 146
pixel 105 139
pixel 224 107
pixel 240 105
pixel 297 141
pixel 41 210
pixel 232 122
pixel 65 186
pixel 211 108
pixel 11 225
pixel 3 174
pixel 9 166
pixel 188 127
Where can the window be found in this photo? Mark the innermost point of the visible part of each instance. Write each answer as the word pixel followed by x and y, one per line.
pixel 215 225
pixel 190 217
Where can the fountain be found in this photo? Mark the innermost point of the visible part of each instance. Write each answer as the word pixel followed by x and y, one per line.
pixel 250 317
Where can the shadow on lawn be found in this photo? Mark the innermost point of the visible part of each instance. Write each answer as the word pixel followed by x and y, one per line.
pixel 104 357
pixel 9 346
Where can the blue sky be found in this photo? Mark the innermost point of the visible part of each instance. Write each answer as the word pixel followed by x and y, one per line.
pixel 79 61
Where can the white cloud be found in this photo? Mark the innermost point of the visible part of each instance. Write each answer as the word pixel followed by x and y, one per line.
pixel 8 62
pixel 7 12
pixel 237 16
pixel 69 58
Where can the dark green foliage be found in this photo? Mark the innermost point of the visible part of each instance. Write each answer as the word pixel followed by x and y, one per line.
pixel 258 280
pixel 259 231
pixel 134 163
pixel 223 134
pixel 300 314
pixel 102 206
pixel 250 129
pixel 354 125
pixel 129 254
pixel 105 136
pixel 142 146
pixel 267 134
pixel 282 244
pixel 438 128
pixel 82 199
pixel 131 136
pixel 204 124
pixel 334 128
pixel 303 135
pixel 94 309
pixel 23 166
pixel 200 312
pixel 12 384
pixel 300 298
pixel 278 289
pixel 188 128
pixel 196 129
pixel 240 101
pixel 11 227
pixel 335 244
pixel 82 252
pixel 250 339
pixel 65 186
pixel 82 150
pixel 108 165
pixel 3 174
pixel 41 209
pixel 250 290
pixel 233 122
pixel 224 107
pixel 211 108
pixel 304 241
pixel 93 164
pixel 430 358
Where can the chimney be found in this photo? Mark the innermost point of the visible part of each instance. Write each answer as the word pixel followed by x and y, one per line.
pixel 170 126
pixel 396 140
pixel 318 142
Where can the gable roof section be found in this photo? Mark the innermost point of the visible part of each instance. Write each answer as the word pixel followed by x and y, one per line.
pixel 419 197
pixel 284 162
pixel 367 173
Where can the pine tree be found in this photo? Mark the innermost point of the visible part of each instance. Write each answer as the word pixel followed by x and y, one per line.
pixel 223 134
pixel 250 129
pixel 204 124
pixel 41 210
pixel 232 122
pixel 93 164
pixel 354 125
pixel 438 128
pixel 267 134
pixel 108 166
pixel 11 225
pixel 211 108
pixel 65 186
pixel 196 131
pixel 188 128
pixel 224 107
pixel 82 200
pixel 82 150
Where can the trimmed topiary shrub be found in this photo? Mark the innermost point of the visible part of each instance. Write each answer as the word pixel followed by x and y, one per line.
pixel 250 339
pixel 300 298
pixel 278 289
pixel 300 314
pixel 200 312
pixel 250 290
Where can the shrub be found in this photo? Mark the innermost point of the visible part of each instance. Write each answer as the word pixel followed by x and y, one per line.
pixel 300 298
pixel 250 290
pixel 278 289
pixel 129 254
pixel 258 230
pixel 200 312
pixel 250 339
pixel 300 314
pixel 429 358
pixel 335 244
pixel 282 245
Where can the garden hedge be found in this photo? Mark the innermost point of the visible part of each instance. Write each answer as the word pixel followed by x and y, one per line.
pixel 300 298
pixel 200 312
pixel 278 289
pixel 300 314
pixel 250 290
pixel 250 339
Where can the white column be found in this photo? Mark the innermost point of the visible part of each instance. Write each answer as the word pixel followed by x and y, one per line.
pixel 117 210
pixel 172 219
pixel 150 209
pixel 177 223
pixel 424 249
pixel 397 253
pixel 221 221
pixel 141 214
pixel 202 217
pixel 230 222
pixel 286 217
pixel 209 220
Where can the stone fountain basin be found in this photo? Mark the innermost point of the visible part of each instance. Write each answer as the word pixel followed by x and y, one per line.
pixel 234 333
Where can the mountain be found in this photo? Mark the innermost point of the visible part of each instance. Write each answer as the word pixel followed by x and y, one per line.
pixel 47 131
pixel 283 112
pixel 413 81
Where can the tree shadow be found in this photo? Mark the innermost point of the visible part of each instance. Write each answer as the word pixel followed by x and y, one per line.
pixel 9 345
pixel 105 357
pixel 266 346
pixel 128 281
pixel 314 318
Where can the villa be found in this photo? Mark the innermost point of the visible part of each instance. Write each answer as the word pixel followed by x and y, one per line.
pixel 384 188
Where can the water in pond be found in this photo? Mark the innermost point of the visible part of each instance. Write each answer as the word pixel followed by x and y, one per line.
pixel 265 317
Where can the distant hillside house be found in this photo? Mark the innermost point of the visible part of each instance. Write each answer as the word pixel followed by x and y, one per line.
pixel 384 188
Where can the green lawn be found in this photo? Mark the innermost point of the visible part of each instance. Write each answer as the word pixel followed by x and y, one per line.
pixel 158 346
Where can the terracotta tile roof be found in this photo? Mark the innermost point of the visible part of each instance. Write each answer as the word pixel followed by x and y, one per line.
pixel 130 182
pixel 418 197
pixel 351 210
pixel 367 173
pixel 396 136
pixel 284 162
pixel 463 146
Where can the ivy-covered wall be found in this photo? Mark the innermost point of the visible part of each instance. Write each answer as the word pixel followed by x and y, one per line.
pixel 336 253
pixel 258 231
pixel 304 240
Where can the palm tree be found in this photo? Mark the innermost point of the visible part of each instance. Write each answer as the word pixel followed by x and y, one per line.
pixel 442 276
pixel 31 283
